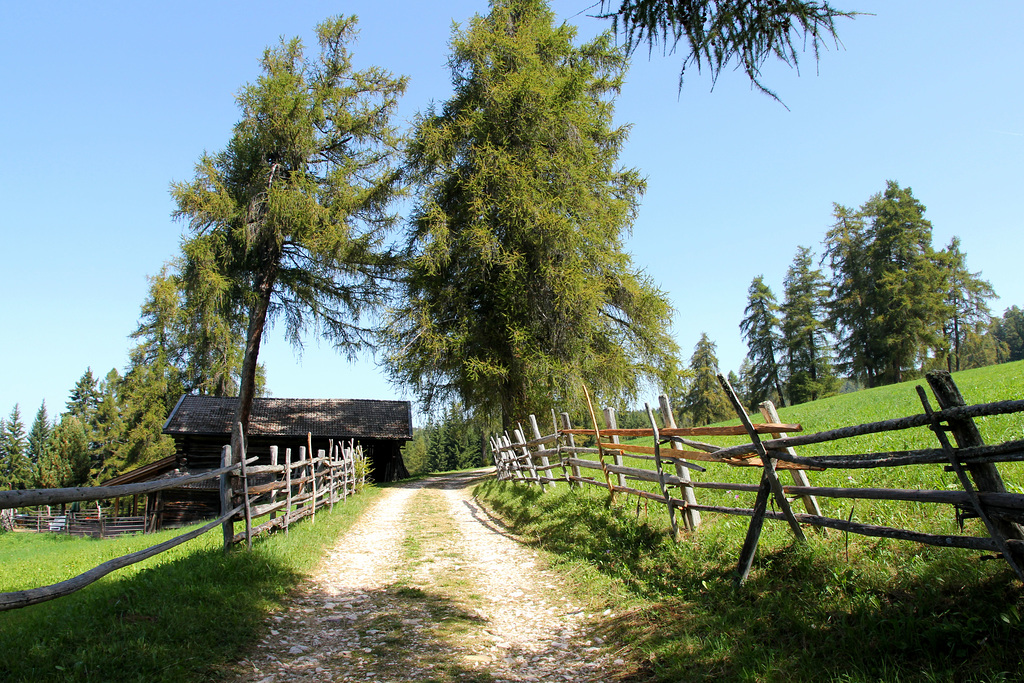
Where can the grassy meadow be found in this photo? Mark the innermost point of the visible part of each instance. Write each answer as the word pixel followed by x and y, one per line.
pixel 180 616
pixel 838 608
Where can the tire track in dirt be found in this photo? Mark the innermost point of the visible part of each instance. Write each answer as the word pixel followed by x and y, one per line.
pixel 424 588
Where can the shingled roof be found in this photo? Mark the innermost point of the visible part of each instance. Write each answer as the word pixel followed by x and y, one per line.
pixel 338 418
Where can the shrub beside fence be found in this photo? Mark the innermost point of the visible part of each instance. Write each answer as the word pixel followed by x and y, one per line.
pixel 669 468
pixel 286 492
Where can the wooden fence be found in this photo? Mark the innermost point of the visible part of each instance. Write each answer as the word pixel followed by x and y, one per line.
pixel 286 492
pixel 678 456
pixel 79 524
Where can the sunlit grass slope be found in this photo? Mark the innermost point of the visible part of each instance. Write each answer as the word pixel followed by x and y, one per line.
pixel 838 608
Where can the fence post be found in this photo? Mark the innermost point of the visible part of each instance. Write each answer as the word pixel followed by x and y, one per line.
pixel 287 488
pixel 769 485
pixel 691 517
pixel 245 487
pixel 225 498
pixel 273 494
pixel 661 474
pixel 544 463
pixel 575 469
pixel 612 423
pixel 986 476
pixel 330 471
pixel 521 439
pixel 800 478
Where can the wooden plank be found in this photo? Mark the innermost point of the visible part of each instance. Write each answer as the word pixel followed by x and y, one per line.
pixel 897 424
pixel 36 497
pixel 736 430
pixel 600 451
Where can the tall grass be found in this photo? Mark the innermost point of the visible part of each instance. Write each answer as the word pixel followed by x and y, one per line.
pixel 838 608
pixel 181 616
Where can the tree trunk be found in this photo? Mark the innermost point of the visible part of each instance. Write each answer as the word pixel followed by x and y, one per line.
pixel 247 383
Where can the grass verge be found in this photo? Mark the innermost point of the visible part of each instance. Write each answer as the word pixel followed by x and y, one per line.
pixel 180 616
pixel 835 609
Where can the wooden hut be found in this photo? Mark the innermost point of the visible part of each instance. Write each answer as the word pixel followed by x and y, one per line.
pixel 201 426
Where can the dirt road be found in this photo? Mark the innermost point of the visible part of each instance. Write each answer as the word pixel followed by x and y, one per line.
pixel 425 587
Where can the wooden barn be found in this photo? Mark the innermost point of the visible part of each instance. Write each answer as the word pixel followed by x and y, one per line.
pixel 201 427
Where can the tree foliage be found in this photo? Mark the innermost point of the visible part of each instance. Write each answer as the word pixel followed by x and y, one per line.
pixel 760 327
pixel 288 219
pixel 888 302
pixel 706 401
pixel 518 287
pixel 809 373
pixel 15 466
pixel 966 303
pixel 714 33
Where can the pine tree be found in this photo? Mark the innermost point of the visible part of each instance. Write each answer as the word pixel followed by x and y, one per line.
pixel 68 460
pixel 106 431
pixel 16 470
pixel 809 373
pixel 760 328
pixel 84 397
pixel 705 401
pixel 288 219
pixel 39 441
pixel 518 287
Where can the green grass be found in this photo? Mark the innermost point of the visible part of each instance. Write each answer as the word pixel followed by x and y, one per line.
pixel 838 608
pixel 181 616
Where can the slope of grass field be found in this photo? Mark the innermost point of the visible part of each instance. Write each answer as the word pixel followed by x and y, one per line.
pixel 838 608
pixel 180 616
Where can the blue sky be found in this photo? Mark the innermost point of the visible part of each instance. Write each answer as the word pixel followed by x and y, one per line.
pixel 106 103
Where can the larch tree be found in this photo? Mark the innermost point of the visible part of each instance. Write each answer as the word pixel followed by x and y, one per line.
pixel 518 289
pixel 760 328
pixel 713 34
pixel 887 287
pixel 809 373
pixel 966 302
pixel 288 219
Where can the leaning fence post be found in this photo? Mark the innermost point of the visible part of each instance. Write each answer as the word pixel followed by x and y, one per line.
pixel 691 517
pixel 600 448
pixel 986 475
pixel 769 484
pixel 800 478
pixel 225 498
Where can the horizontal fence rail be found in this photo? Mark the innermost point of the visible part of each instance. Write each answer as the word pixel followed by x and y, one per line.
pixel 287 492
pixel 665 472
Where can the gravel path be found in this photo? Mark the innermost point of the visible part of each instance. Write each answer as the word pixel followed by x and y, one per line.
pixel 425 587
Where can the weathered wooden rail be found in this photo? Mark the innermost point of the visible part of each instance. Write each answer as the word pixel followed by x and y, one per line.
pixel 287 492
pixel 677 456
